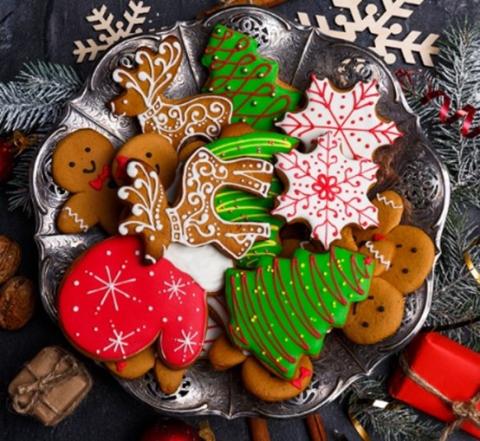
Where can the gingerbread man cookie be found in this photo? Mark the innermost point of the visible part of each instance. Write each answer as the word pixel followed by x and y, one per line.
pixel 152 149
pixel 403 257
pixel 178 120
pixel 81 165
pixel 111 307
pixel 378 317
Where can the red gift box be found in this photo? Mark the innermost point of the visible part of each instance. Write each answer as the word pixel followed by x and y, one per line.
pixel 444 368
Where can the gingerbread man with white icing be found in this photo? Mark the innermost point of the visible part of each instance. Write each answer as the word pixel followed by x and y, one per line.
pixel 81 165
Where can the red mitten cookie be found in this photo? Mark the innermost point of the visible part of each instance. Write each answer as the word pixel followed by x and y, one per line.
pixel 112 307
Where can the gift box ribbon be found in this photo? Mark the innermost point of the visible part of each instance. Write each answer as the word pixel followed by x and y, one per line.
pixel 462 410
pixel 39 387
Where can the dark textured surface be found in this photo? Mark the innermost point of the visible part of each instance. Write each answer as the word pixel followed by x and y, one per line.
pixel 46 29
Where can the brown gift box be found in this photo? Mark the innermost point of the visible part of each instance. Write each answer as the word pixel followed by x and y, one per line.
pixel 50 387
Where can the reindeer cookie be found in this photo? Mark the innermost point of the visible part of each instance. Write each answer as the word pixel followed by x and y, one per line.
pixel 176 119
pixel 81 165
pixel 194 221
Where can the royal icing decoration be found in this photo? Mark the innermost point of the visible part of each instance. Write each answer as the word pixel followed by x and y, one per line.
pixel 326 189
pixel 238 72
pixel 388 202
pixel 235 206
pixel 194 218
pixel 112 307
pixel 349 115
pixel 76 219
pixel 177 120
pixel 378 255
pixel 282 310
pixel 205 264
pixel 148 202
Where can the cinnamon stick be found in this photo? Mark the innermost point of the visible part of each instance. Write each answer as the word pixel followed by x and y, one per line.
pixel 258 429
pixel 315 428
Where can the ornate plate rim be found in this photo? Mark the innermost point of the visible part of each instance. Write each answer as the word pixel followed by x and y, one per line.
pixel 342 384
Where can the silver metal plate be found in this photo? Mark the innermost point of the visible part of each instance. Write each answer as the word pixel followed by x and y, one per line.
pixel 299 51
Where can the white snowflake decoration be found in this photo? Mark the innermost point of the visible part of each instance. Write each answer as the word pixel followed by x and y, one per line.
pixel 187 343
pixel 118 342
pixel 326 189
pixel 175 288
pixel 109 32
pixel 377 23
pixel 110 287
pixel 350 116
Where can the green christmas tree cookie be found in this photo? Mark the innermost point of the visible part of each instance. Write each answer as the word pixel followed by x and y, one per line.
pixel 240 73
pixel 284 309
pixel 235 205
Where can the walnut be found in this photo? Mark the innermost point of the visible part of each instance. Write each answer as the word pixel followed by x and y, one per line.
pixel 10 256
pixel 17 302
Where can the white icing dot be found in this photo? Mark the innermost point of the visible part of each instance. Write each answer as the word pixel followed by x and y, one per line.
pixel 150 308
pixel 95 329
pixel 98 351
pixel 109 253
pixel 151 273
pixel 76 283
pixel 197 310
pixel 76 309
pixel 137 253
pixel 179 318
pixel 77 334
pixel 164 320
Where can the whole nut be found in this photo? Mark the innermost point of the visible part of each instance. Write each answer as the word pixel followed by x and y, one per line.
pixel 10 256
pixel 17 302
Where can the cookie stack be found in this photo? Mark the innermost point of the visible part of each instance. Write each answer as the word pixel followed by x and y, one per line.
pixel 244 223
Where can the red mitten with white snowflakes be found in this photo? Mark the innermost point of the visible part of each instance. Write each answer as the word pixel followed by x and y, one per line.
pixel 350 116
pixel 111 306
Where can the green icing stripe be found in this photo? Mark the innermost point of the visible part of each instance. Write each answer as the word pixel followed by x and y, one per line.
pixel 240 73
pixel 234 205
pixel 283 310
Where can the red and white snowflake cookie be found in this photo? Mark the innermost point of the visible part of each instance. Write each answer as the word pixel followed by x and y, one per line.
pixel 111 306
pixel 350 115
pixel 326 189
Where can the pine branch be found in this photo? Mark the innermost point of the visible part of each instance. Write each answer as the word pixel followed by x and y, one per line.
pixel 18 188
pixel 397 422
pixel 36 96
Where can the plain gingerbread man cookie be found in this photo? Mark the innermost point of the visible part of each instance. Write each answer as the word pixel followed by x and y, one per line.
pixel 378 317
pixel 81 165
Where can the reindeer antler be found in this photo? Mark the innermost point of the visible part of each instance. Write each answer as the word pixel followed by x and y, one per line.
pixel 154 71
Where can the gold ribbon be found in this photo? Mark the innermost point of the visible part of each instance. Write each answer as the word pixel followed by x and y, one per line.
pixel 469 262
pixel 463 411
pixel 41 386
pixel 357 425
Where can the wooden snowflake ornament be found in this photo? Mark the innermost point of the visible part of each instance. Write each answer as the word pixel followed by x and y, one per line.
pixel 350 115
pixel 326 189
